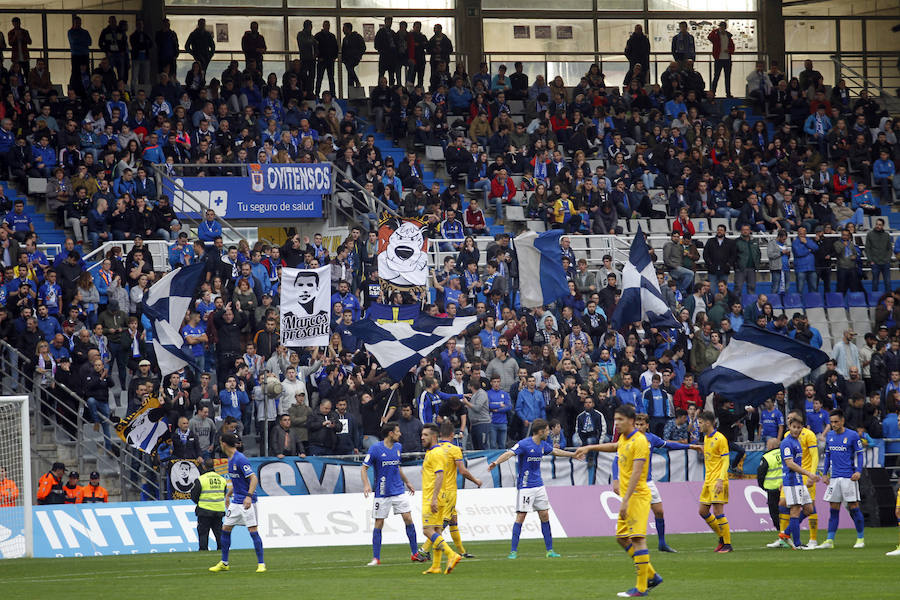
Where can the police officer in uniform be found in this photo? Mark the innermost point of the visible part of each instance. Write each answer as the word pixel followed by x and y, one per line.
pixel 93 491
pixel 209 495
pixel 50 485
pixel 769 478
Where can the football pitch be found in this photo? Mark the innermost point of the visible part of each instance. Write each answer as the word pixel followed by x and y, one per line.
pixel 589 568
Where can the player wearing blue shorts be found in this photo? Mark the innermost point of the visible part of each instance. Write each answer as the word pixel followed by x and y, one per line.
pixel 796 495
pixel 391 486
pixel 530 491
pixel 240 500
pixel 842 468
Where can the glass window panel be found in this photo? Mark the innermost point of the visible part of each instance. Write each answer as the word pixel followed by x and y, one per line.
pixel 744 32
pixel 311 3
pixel 539 4
pixel 229 30
pixel 820 64
pixel 399 4
pixel 830 8
pixel 805 36
pixel 260 3
pixel 531 66
pixel 613 35
pixel 499 36
pixel 30 21
pixel 718 6
pixel 570 71
pixel 851 35
pixel 880 38
pixel 614 68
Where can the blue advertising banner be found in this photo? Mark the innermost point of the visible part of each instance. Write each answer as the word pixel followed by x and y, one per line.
pixel 120 528
pixel 293 194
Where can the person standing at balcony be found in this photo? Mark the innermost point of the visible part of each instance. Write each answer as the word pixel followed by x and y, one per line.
pixel 167 48
pixel 683 48
pixel 723 48
pixel 141 44
pixel 201 45
pixel 308 46
pixel 440 48
pixel 254 45
pixel 386 46
pixel 79 44
pixel 19 39
pixel 328 53
pixel 637 51
pixel 114 44
pixel 353 47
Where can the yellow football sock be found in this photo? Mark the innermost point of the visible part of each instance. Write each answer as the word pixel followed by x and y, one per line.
pixel 442 546
pixel 724 529
pixel 783 521
pixel 436 559
pixel 426 547
pixel 650 571
pixel 642 563
pixel 457 540
pixel 711 521
pixel 814 527
pixel 630 550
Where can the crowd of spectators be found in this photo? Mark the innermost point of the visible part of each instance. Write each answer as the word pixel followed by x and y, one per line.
pixel 563 362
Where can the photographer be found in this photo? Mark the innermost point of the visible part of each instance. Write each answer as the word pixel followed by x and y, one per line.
pixel 323 425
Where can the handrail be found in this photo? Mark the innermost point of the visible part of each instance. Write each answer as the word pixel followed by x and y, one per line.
pixel 163 175
pixel 42 407
pixel 868 82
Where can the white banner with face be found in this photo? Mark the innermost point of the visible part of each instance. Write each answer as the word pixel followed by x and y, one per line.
pixel 305 306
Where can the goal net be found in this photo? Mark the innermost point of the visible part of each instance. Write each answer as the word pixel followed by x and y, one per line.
pixel 15 478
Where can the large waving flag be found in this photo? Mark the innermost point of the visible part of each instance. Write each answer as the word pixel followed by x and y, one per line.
pixel 399 346
pixel 144 428
pixel 541 276
pixel 165 304
pixel 641 299
pixel 756 364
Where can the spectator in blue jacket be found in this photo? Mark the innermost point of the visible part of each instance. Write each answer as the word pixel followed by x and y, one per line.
pixel 817 126
pixel 125 184
pixel 210 228
pixel 628 394
pixel 530 404
pixel 499 403
pixel 590 425
pixel 44 157
pixel 452 229
pixel 883 171
pixel 233 399
pixel 459 98
pixel 152 152
pixel 804 251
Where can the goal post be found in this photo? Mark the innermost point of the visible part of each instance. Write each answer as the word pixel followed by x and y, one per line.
pixel 16 493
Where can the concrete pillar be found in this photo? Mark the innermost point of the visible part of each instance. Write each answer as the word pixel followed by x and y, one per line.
pixel 469 42
pixel 771 28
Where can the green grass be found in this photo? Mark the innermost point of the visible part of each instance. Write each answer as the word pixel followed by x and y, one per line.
pixel 589 568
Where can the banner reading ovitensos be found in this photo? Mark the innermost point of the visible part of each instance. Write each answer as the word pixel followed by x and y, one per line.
pixel 305 299
pixel 302 179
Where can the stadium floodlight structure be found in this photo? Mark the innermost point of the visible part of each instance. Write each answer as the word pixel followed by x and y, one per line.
pixel 16 533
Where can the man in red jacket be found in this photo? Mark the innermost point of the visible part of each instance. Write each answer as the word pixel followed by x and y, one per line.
pixel 687 393
pixel 723 48
pixel 473 219
pixel 503 190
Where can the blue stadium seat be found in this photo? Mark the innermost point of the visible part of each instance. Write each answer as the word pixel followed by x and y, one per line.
pixel 748 299
pixel 813 300
pixel 776 301
pixel 873 299
pixel 834 300
pixel 792 300
pixel 856 299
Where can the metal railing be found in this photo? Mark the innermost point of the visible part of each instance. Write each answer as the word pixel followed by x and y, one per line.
pixel 44 400
pixel 876 72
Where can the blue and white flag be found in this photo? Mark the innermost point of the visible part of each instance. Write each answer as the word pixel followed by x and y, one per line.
pixel 542 279
pixel 756 364
pixel 165 304
pixel 399 346
pixel 641 298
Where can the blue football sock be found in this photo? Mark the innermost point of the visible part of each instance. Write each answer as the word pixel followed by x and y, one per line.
pixel 802 517
pixel 548 537
pixel 859 521
pixel 376 543
pixel 411 534
pixel 834 516
pixel 257 545
pixel 795 530
pixel 661 531
pixel 225 542
pixel 517 531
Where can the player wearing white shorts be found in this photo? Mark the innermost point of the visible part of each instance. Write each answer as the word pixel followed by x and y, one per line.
pixel 391 488
pixel 842 466
pixel 796 496
pixel 240 500
pixel 531 494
